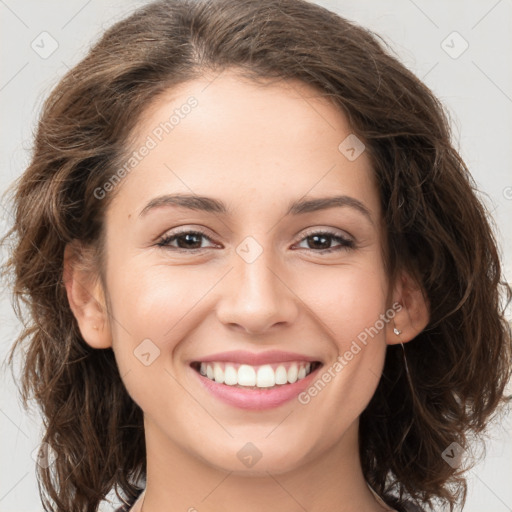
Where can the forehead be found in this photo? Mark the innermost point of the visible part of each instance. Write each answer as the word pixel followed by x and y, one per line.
pixel 236 139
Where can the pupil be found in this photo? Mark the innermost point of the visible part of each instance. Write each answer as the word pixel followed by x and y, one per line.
pixel 322 237
pixel 188 237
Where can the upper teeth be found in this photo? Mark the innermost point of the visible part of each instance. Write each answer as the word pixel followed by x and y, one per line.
pixel 264 376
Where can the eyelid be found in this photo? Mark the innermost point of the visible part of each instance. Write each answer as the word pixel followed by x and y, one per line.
pixel 327 231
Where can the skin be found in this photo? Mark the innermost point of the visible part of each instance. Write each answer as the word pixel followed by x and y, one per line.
pixel 256 148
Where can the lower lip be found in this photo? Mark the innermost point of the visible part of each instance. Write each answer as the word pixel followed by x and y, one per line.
pixel 256 399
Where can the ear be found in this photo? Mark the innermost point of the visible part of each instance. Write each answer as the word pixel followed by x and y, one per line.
pixel 412 311
pixel 86 296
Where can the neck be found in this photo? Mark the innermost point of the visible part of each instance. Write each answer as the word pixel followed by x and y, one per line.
pixel 177 480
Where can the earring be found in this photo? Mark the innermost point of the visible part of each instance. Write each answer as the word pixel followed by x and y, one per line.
pixel 405 361
pixel 397 331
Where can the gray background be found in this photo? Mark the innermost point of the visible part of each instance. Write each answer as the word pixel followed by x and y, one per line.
pixel 475 86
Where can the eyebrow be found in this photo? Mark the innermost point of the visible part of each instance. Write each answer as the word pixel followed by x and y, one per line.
pixel 211 205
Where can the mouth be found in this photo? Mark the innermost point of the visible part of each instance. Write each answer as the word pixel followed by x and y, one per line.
pixel 245 376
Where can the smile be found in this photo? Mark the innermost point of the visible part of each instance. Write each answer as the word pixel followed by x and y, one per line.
pixel 249 376
pixel 261 385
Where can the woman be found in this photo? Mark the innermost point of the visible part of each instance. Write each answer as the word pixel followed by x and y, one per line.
pixel 257 271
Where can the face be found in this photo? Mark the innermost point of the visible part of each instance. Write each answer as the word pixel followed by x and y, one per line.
pixel 269 288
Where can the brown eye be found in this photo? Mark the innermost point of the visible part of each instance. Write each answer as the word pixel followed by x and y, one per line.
pixel 321 241
pixel 186 240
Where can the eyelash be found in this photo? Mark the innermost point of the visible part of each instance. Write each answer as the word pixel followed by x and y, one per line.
pixel 346 244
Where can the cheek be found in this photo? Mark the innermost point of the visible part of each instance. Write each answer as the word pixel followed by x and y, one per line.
pixel 150 313
pixel 348 299
pixel 354 311
pixel 155 301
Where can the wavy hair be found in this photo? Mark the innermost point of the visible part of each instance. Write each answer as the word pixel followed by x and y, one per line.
pixel 437 229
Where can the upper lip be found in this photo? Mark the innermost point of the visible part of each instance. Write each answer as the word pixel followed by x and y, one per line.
pixel 255 359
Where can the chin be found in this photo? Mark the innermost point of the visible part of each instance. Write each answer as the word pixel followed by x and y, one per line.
pixel 256 458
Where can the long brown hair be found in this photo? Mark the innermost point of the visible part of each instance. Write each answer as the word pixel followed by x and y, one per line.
pixel 437 229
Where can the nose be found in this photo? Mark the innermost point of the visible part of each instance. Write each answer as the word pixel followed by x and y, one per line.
pixel 256 296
